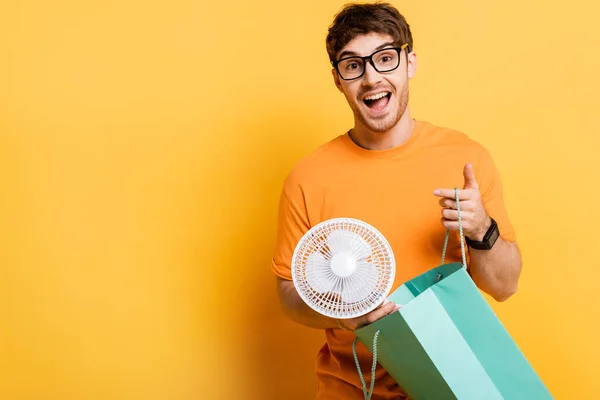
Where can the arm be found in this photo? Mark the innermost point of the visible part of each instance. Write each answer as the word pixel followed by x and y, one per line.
pixel 292 224
pixel 297 310
pixel 496 271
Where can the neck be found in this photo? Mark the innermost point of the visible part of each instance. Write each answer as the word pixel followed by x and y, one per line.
pixel 396 136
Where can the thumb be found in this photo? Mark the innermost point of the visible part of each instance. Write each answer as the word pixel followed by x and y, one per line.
pixel 470 181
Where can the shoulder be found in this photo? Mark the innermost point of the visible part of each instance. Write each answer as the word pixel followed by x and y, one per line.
pixel 453 141
pixel 442 135
pixel 311 167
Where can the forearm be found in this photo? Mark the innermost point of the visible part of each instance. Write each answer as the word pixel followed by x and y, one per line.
pixel 496 271
pixel 297 310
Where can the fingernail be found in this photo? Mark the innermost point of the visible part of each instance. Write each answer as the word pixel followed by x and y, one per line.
pixel 436 191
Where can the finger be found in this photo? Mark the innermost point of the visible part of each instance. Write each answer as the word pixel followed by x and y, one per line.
pixel 380 312
pixel 387 308
pixel 447 203
pixel 466 212
pixel 451 225
pixel 451 204
pixel 465 205
pixel 450 194
pixel 397 306
pixel 470 181
pixel 450 215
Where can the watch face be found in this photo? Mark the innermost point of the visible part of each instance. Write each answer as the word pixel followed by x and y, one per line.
pixel 488 240
pixel 492 235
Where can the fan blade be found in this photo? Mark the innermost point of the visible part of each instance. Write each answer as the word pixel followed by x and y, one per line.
pixel 318 273
pixel 337 242
pixel 361 284
pixel 360 248
pixel 344 240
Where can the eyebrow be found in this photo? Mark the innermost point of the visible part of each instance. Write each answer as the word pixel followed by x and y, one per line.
pixel 346 53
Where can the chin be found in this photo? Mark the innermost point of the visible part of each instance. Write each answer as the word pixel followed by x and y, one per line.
pixel 380 125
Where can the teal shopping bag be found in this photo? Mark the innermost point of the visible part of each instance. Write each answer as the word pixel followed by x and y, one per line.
pixel 446 342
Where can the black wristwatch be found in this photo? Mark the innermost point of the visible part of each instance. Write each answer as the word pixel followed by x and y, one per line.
pixel 489 238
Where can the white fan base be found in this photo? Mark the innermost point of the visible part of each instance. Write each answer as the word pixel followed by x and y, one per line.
pixel 343 264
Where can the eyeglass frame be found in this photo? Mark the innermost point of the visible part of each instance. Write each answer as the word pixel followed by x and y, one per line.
pixel 369 58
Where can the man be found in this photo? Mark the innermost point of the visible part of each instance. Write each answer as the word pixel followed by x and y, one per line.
pixel 397 174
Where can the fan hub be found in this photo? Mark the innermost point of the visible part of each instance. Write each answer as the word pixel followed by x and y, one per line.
pixel 343 264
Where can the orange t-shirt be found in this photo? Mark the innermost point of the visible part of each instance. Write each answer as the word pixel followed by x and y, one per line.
pixel 393 191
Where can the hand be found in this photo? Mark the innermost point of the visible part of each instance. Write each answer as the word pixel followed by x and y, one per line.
pixel 380 312
pixel 475 221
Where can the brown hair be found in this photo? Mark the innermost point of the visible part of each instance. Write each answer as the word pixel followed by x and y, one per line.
pixel 357 19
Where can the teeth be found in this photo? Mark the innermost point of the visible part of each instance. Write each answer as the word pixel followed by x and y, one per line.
pixel 376 96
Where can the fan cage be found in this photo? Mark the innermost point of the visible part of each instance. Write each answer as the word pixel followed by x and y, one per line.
pixel 331 303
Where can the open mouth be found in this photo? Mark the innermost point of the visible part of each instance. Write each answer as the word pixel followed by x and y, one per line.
pixel 377 102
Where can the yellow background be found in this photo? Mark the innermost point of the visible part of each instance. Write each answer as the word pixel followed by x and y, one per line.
pixel 142 150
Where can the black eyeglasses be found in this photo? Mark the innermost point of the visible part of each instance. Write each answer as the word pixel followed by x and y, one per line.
pixel 384 60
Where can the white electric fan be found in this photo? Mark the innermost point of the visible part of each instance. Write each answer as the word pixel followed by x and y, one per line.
pixel 343 268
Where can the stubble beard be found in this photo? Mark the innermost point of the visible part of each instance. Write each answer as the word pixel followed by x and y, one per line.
pixel 390 120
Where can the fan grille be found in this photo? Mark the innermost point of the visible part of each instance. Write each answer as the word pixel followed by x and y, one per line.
pixel 343 297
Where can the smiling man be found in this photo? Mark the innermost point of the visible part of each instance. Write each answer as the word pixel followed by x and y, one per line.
pixel 396 173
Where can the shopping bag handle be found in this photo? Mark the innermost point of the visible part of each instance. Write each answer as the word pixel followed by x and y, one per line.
pixel 373 367
pixel 462 241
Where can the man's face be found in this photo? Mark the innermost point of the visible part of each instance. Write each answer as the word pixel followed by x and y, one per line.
pixel 377 99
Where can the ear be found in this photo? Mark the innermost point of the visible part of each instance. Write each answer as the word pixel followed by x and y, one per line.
pixel 412 64
pixel 336 80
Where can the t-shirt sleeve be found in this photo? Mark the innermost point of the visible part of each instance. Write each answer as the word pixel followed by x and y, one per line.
pixel 291 225
pixel 492 196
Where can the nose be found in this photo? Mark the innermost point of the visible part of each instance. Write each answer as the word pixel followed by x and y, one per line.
pixel 371 76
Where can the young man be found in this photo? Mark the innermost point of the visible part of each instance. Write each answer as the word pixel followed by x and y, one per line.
pixel 397 174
